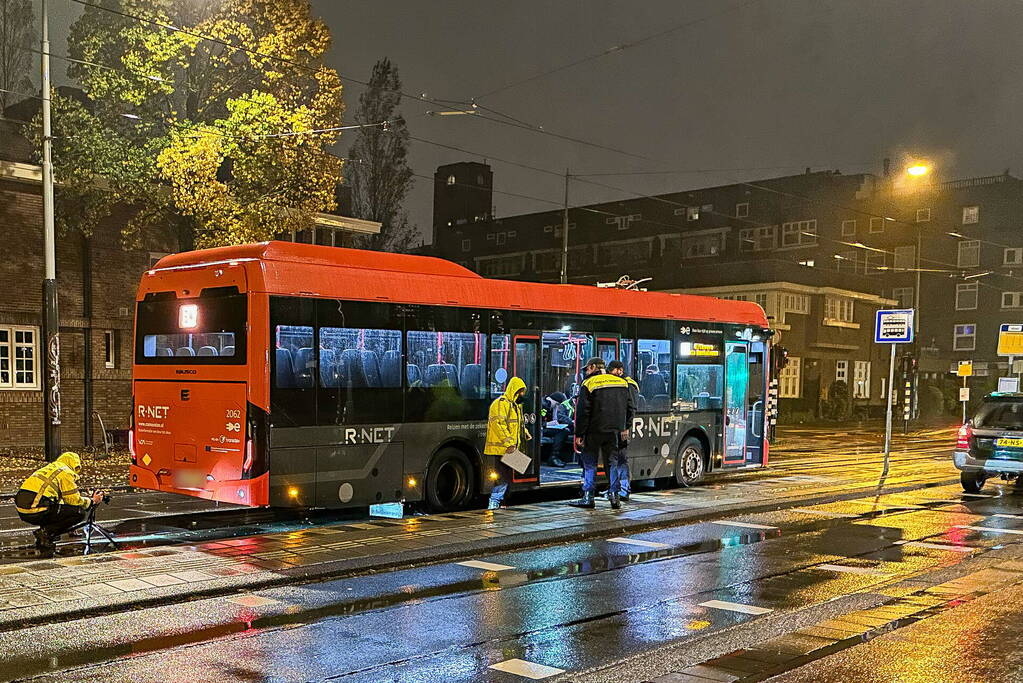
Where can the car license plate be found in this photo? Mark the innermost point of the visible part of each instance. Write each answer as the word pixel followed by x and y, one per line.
pixel 189 479
pixel 1009 443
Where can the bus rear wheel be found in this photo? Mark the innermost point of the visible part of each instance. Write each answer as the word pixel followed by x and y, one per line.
pixel 450 484
pixel 690 465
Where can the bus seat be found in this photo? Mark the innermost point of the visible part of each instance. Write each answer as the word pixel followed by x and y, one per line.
pixel 328 368
pixel 207 351
pixel 414 375
pixel 451 371
pixel 166 351
pixel 653 385
pixel 471 385
pixel 390 369
pixel 660 403
pixel 185 351
pixel 370 368
pixel 354 376
pixel 285 375
pixel 436 376
pixel 227 351
pixel 641 403
pixel 302 363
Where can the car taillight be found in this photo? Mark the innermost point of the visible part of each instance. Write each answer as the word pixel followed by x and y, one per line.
pixel 247 465
pixel 963 439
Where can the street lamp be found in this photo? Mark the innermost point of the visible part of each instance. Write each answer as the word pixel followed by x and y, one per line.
pixel 918 170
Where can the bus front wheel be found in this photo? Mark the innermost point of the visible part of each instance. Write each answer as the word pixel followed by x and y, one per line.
pixel 449 482
pixel 690 467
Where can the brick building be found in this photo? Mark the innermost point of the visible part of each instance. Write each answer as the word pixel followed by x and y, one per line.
pixel 97 279
pixel 820 251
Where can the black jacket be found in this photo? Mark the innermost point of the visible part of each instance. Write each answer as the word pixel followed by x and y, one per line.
pixel 606 405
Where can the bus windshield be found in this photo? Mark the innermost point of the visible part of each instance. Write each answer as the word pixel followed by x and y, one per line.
pixel 208 330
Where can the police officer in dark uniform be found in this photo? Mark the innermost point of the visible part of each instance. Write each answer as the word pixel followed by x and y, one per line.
pixel 602 417
pixel 619 465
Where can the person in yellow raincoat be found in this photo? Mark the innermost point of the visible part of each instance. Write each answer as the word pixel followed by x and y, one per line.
pixel 505 431
pixel 49 499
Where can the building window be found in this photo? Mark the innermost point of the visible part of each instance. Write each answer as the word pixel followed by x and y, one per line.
pixel 799 233
pixel 876 224
pixel 964 337
pixel 807 262
pixel 702 246
pixel 479 180
pixel 19 358
pixel 842 371
pixel 971 214
pixel 451 180
pixel 623 222
pixel 861 379
pixel 109 349
pixel 1013 257
pixel 838 309
pixel 969 253
pixel 742 210
pixel 692 213
pixel 923 215
pixel 875 261
pixel 501 238
pixel 795 303
pixel 848 228
pixel 789 385
pixel 966 296
pixel 1012 299
pixel 904 295
pixel 758 239
pixel 905 257
pixel 466 245
pixel 849 261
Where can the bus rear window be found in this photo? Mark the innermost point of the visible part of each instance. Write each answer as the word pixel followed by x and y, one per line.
pixel 206 331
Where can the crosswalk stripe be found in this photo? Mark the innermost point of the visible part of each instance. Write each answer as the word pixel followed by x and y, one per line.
pixel 486 566
pixel 745 525
pixel 825 513
pixel 639 542
pixel 735 607
pixel 938 546
pixel 531 670
pixel 849 570
pixel 1018 532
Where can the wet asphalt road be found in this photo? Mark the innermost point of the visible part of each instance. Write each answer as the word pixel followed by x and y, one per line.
pixel 609 609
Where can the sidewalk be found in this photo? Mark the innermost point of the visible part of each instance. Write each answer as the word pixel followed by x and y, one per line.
pixel 34 592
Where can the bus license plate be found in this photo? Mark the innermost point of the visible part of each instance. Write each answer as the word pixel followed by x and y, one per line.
pixel 1010 443
pixel 189 479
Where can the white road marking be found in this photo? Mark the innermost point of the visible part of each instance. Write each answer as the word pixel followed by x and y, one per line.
pixel 745 525
pixel 486 566
pixel 979 495
pixel 1006 515
pixel 849 570
pixel 937 546
pixel 1018 532
pixel 824 513
pixel 636 541
pixel 735 607
pixel 531 670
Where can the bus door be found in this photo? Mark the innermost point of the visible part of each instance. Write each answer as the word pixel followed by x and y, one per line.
pixel 756 403
pixel 736 401
pixel 563 356
pixel 526 366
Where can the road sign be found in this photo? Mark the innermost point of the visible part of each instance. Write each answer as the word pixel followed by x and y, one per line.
pixel 895 327
pixel 1017 367
pixel 964 394
pixel 965 368
pixel 1010 340
pixel 1008 384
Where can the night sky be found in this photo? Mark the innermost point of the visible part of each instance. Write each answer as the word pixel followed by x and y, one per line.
pixel 758 88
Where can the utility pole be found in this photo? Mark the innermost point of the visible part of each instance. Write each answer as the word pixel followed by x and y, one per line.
pixel 51 322
pixel 564 235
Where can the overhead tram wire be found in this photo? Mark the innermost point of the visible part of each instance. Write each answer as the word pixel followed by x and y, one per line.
pixel 417 98
pixel 614 49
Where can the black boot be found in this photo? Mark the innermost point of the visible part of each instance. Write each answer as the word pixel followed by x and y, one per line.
pixel 615 503
pixel 585 502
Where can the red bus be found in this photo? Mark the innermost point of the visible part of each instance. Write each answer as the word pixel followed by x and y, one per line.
pixel 298 375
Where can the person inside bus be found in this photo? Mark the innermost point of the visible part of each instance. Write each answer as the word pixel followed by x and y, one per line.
pixel 602 417
pixel 49 499
pixel 557 426
pixel 506 430
pixel 620 459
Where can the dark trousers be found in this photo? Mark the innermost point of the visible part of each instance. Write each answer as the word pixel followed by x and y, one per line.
pixel 56 520
pixel 558 439
pixel 596 446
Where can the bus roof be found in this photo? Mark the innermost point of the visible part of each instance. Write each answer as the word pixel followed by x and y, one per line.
pixel 288 268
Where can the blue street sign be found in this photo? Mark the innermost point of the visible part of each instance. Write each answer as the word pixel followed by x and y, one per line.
pixel 894 327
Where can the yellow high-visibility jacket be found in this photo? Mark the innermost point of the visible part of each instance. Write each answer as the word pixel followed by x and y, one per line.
pixel 57 481
pixel 504 430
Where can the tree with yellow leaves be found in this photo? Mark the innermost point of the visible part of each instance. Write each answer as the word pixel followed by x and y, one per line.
pixel 209 118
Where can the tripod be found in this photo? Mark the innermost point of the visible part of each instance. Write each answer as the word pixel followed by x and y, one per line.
pixel 90 527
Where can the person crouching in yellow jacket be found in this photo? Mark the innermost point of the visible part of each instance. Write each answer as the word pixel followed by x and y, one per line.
pixel 505 431
pixel 50 500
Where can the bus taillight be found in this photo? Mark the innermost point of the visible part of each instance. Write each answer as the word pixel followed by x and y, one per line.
pixel 247 465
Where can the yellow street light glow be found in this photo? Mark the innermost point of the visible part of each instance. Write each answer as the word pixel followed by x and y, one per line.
pixel 411 482
pixel 918 170
pixel 293 492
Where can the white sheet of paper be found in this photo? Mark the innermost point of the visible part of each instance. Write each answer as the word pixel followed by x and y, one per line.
pixel 517 460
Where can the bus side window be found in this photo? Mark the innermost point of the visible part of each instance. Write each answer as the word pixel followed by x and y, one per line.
pixel 654 376
pixel 355 358
pixel 699 386
pixel 445 371
pixel 500 363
